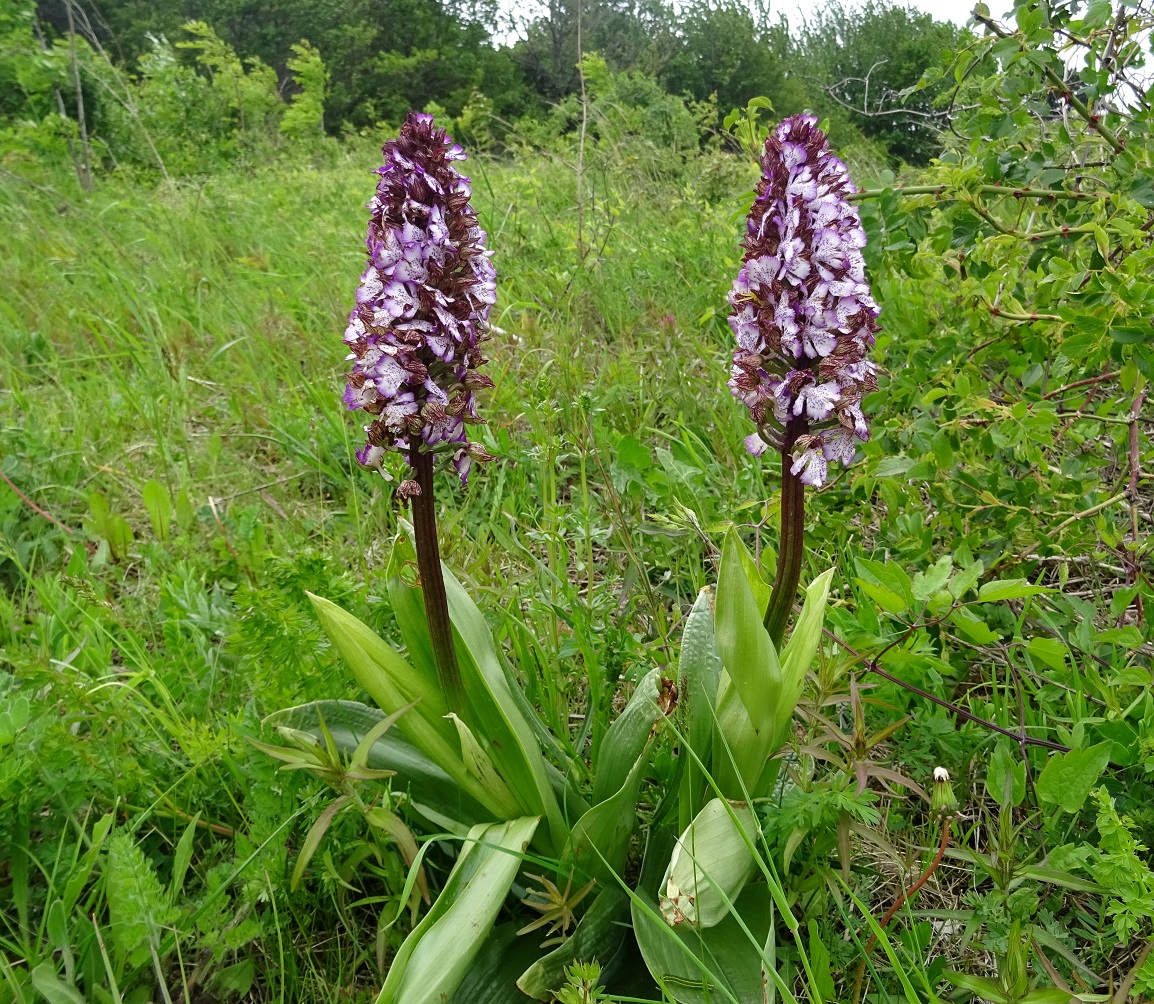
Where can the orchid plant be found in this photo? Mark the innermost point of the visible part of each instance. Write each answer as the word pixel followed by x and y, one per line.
pixel 479 764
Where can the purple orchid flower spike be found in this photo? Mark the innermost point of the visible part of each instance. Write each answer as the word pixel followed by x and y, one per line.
pixel 415 335
pixel 804 320
pixel 422 306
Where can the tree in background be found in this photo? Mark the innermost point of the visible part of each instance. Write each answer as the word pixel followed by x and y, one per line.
pixel 629 34
pixel 223 94
pixel 859 61
pixel 384 56
pixel 304 119
pixel 732 50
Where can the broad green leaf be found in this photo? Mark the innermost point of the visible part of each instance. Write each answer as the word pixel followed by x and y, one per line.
pixel 159 508
pixel 886 598
pixel 599 842
pixel 314 837
pixel 979 986
pixel 747 653
pixel 478 764
pixel 1009 589
pixel 432 962
pixel 627 737
pixel 83 868
pixel 119 536
pixel 717 965
pixel 599 937
pixel 54 989
pixel 741 748
pixel 757 585
pixel 1098 15
pixel 408 605
pixel 387 678
pixel 181 858
pixel 710 864
pixel 1049 651
pixel 393 683
pixel 740 751
pixel 698 676
pixel 962 582
pixel 497 716
pixel 933 579
pixel 1067 778
pixel 797 656
pixel 1048 995
pixel 893 585
pixel 1055 876
pixel 235 979
pixel 492 979
pixel 973 627
pixel 1006 776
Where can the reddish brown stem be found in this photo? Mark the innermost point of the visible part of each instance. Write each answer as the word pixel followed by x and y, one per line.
pixel 433 579
pixel 791 549
pixel 898 903
pixel 1079 383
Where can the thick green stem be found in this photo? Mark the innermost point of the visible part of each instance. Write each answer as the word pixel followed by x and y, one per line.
pixel 433 581
pixel 791 547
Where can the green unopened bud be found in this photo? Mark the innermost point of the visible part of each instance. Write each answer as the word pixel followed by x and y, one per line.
pixel 943 802
pixel 710 865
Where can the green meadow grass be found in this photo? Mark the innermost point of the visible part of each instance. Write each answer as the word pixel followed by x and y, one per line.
pixel 171 368
pixel 183 343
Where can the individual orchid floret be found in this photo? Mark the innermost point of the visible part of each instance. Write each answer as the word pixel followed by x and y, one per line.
pixel 803 315
pixel 422 306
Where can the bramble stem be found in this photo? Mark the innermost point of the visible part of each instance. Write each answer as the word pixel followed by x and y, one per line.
pixel 791 549
pixel 433 581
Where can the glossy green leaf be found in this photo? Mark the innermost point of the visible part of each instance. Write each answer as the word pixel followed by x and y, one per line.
pixel 52 988
pixel 497 717
pixel 478 764
pixel 492 978
pixel 698 677
pixel 599 842
pixel 159 508
pixel 393 683
pixel 713 966
pixel 435 957
pixel 1009 589
pixel 181 857
pixel 598 937
pixel 1067 778
pixel 797 656
pixel 627 737
pixel 747 653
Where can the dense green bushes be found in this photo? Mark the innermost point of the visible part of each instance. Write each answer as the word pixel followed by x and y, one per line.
pixel 148 90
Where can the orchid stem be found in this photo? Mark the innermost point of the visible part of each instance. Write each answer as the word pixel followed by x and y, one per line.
pixel 433 580
pixel 791 550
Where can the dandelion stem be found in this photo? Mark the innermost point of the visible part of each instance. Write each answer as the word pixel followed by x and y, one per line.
pixel 433 580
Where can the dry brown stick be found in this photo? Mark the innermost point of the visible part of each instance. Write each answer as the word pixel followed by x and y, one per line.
pixel 33 506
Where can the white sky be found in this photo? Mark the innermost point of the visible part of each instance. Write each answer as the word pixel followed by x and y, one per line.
pixel 957 11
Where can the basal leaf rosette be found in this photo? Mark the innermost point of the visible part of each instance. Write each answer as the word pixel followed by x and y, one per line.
pixel 422 306
pixel 802 313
